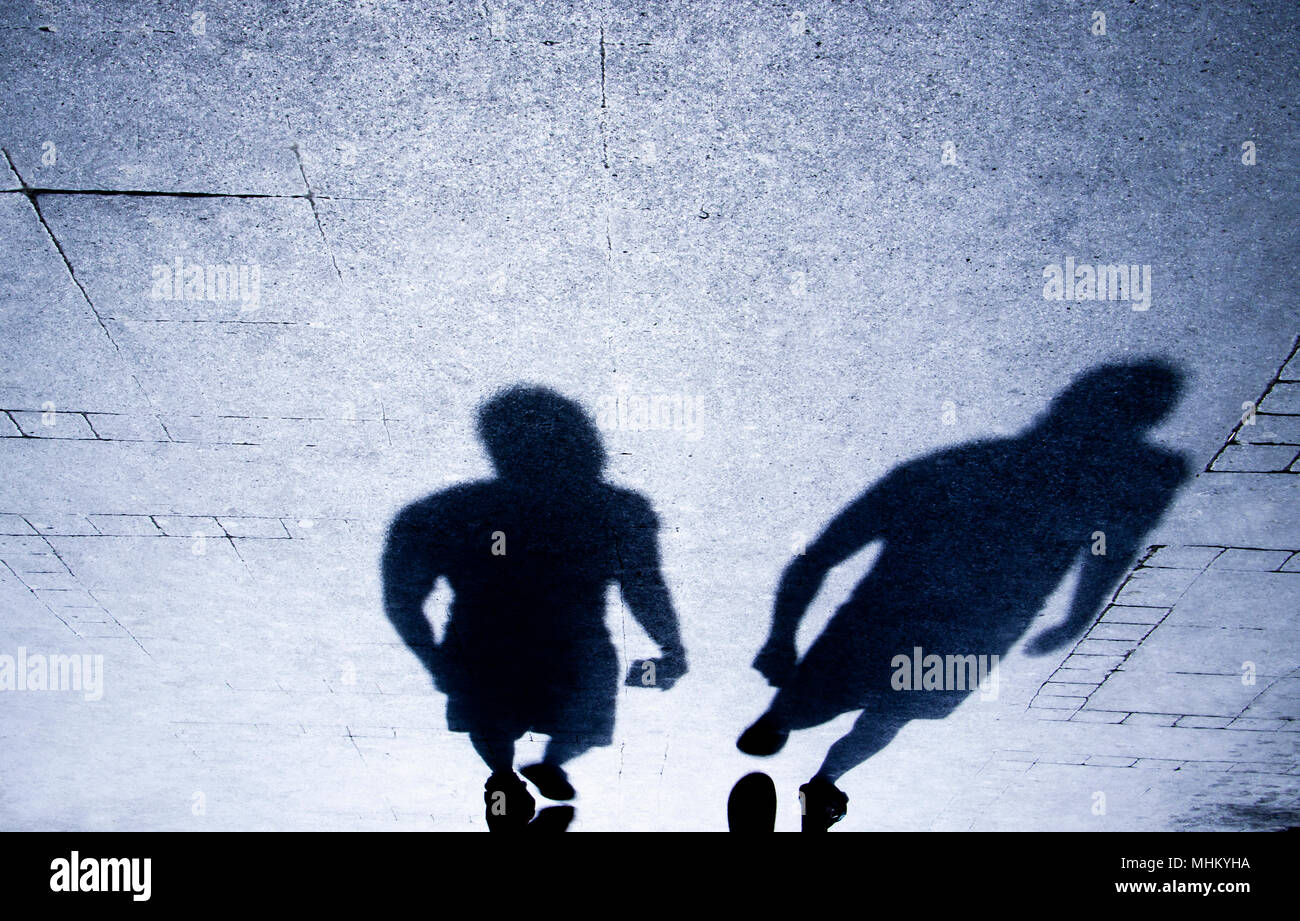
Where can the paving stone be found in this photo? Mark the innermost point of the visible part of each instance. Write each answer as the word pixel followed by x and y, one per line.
pixel 1119 631
pixel 48 579
pixel 1203 722
pixel 1217 696
pixel 1016 755
pixel 1086 676
pixel 47 319
pixel 8 428
pixel 1157 764
pixel 1252 560
pixel 15 524
pixel 1098 716
pixel 1058 688
pixel 1104 647
pixel 1231 651
pixel 124 525
pixel 1151 719
pixel 1092 662
pixel 1282 398
pixel 68 598
pixel 189 526
pixel 1283 430
pixel 319 529
pixel 1117 613
pixel 1110 761
pixel 19 550
pixel 95 629
pixel 1071 758
pixel 259 260
pixel 127 427
pixel 62 524
pixel 1256 725
pixel 1009 767
pixel 220 429
pixel 1292 564
pixel 254 527
pixel 1279 700
pixel 1183 557
pixel 1155 587
pixel 1255 458
pixel 1240 599
pixel 52 425
pixel 1291 370
pixel 1057 702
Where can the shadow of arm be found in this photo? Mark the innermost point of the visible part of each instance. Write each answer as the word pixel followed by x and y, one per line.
pixel 646 595
pixel 409 573
pixel 1102 574
pixel 855 527
pixel 1097 581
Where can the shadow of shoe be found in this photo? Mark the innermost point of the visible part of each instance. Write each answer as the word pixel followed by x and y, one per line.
pixel 509 805
pixel 552 819
pixel 752 804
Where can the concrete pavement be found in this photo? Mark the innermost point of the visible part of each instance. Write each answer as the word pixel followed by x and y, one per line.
pixel 826 228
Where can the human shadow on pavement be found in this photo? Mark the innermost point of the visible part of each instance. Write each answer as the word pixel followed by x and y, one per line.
pixel 528 556
pixel 975 539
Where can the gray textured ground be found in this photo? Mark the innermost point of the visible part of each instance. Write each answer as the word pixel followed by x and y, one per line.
pixel 742 204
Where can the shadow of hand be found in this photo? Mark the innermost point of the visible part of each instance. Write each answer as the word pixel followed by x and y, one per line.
pixel 432 660
pixel 1054 639
pixel 662 672
pixel 776 663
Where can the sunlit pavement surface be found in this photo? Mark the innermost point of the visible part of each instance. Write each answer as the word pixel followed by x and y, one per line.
pixel 741 208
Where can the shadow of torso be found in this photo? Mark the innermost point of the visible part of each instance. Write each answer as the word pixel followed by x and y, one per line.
pixel 975 540
pixel 525 645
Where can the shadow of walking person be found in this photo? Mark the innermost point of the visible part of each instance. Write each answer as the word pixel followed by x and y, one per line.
pixel 975 538
pixel 528 556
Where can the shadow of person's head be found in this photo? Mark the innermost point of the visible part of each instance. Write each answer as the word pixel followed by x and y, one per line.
pixel 534 435
pixel 1114 402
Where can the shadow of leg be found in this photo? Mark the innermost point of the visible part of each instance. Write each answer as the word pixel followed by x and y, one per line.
pixel 821 803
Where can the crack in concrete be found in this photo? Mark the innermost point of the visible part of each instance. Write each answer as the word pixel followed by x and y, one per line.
pixel 32 191
pixel 383 419
pixel 36 207
pixel 602 67
pixel 604 124
pixel 609 240
pixel 32 199
pixel 311 200
pixel 210 320
pixel 353 740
